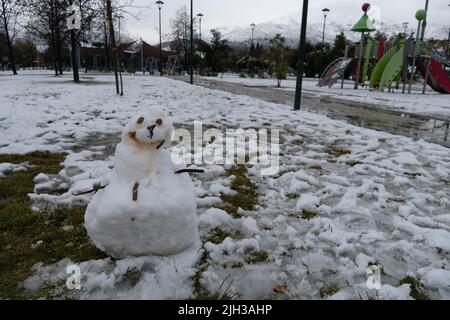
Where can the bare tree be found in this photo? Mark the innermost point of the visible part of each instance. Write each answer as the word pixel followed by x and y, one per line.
pixel 10 11
pixel 2 45
pixel 48 22
pixel 181 32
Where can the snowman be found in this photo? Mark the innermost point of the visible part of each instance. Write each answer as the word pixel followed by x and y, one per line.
pixel 146 208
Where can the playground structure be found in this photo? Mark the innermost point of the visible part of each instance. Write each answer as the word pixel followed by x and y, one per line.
pixel 173 65
pixel 389 64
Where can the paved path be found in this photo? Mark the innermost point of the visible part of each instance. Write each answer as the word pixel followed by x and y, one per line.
pixel 361 114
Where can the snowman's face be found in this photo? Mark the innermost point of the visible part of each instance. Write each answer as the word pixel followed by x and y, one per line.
pixel 152 128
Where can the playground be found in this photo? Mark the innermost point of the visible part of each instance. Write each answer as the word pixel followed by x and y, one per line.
pixel 390 65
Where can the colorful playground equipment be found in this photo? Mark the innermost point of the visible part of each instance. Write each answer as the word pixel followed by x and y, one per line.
pixel 388 64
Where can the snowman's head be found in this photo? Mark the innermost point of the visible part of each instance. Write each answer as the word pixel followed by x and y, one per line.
pixel 152 128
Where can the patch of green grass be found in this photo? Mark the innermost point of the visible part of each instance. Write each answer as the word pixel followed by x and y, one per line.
pixel 201 293
pixel 21 227
pixel 328 291
pixel 417 290
pixel 293 196
pixel 413 175
pixel 308 215
pixel 298 142
pixel 257 257
pixel 200 268
pixel 336 152
pixel 222 293
pixel 398 199
pixel 237 265
pixel 246 196
pixel 217 235
pixel 352 163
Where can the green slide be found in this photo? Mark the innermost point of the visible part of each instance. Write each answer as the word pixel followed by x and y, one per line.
pixel 393 68
pixel 377 72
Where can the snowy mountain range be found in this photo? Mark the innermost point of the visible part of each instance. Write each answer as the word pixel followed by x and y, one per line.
pixel 289 27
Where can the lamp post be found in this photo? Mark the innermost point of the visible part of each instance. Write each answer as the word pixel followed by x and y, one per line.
pixel 142 56
pixel 200 17
pixel 405 27
pixel 191 62
pixel 253 31
pixel 421 16
pixel 120 49
pixel 301 57
pixel 160 4
pixel 120 17
pixel 448 43
pixel 325 14
pixel 424 23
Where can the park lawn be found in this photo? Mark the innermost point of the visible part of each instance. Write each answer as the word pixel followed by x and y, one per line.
pixel 28 237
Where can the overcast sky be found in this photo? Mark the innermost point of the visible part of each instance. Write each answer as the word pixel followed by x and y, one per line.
pixel 223 13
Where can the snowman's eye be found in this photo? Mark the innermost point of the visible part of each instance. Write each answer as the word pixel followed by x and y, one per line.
pixel 159 122
pixel 140 120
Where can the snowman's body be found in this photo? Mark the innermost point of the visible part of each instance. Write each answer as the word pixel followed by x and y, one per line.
pixel 146 209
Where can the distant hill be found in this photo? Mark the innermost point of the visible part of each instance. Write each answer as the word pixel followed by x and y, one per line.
pixel 289 27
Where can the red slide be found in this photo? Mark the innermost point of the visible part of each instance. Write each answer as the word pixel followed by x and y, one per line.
pixel 380 53
pixel 438 79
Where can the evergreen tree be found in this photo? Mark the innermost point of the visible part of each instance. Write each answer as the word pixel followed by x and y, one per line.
pixel 340 43
pixel 218 53
pixel 278 54
pixel 26 52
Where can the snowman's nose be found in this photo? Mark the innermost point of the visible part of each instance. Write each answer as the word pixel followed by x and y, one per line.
pixel 150 129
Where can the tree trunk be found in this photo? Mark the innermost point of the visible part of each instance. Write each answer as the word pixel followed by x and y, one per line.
pixel 59 50
pixel 76 75
pixel 112 38
pixel 1 59
pixel 106 48
pixel 55 63
pixel 10 46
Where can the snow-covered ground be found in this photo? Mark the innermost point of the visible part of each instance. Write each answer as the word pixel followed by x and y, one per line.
pixel 431 104
pixel 345 197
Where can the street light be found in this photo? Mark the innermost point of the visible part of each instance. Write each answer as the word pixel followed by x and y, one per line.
pixel 200 17
pixel 120 43
pixel 405 27
pixel 424 23
pixel 253 30
pixel 120 17
pixel 160 4
pixel 448 43
pixel 191 62
pixel 325 14
pixel 301 58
